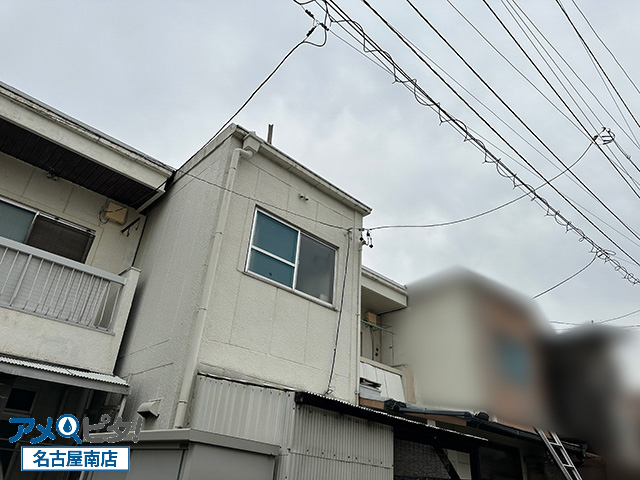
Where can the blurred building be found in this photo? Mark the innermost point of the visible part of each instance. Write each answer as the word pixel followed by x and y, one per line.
pixel 463 352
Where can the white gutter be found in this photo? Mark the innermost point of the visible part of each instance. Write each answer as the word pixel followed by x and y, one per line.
pixel 250 146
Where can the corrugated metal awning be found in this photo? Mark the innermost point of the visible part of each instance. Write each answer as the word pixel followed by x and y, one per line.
pixel 64 375
pixel 429 434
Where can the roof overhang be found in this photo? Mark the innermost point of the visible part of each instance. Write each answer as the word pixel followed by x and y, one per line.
pixel 476 421
pixel 37 134
pixel 279 158
pixel 428 434
pixel 380 294
pixel 63 375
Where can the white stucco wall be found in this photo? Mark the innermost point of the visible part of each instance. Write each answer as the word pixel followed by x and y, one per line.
pixel 172 259
pixel 43 339
pixel 253 329
pixel 62 343
pixel 111 250
pixel 261 330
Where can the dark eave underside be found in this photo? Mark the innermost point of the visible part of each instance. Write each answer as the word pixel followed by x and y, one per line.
pixel 50 157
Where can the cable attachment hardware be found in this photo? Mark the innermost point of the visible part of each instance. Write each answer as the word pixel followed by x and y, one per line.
pixel 605 137
pixel 365 238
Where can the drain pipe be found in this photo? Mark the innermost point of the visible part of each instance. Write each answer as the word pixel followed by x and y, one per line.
pixel 250 146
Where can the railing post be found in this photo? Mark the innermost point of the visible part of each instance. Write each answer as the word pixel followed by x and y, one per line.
pixel 19 284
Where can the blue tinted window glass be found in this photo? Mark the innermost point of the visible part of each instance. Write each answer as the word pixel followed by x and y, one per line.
pixel 514 361
pixel 14 222
pixel 315 269
pixel 271 268
pixel 274 237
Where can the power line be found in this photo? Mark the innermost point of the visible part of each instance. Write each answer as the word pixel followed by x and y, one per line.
pixel 257 200
pixel 478 215
pixel 416 93
pixel 451 47
pixel 510 63
pixel 524 28
pixel 575 116
pixel 634 140
pixel 253 94
pixel 567 279
pixel 595 59
pixel 605 45
pixel 509 174
pixel 344 283
pixel 522 25
pixel 616 318
pixel 370 47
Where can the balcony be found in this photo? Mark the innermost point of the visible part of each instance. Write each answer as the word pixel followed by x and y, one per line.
pixel 45 297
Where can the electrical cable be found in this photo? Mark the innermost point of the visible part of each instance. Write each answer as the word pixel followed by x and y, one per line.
pixel 616 318
pixel 304 41
pixel 510 173
pixel 511 64
pixel 605 46
pixel 370 47
pixel 595 59
pixel 253 94
pixel 486 212
pixel 386 69
pixel 567 279
pixel 344 283
pixel 505 123
pixel 520 22
pixel 524 28
pixel 634 140
pixel 248 197
pixel 575 116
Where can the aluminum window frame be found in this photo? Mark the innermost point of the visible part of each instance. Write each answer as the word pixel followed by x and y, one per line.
pixel 39 213
pixel 295 264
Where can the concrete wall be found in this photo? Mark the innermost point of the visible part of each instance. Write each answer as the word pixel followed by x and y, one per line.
pixel 265 331
pixel 63 343
pixel 253 329
pixel 172 258
pixel 111 250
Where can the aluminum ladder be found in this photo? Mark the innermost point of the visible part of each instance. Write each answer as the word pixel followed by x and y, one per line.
pixel 560 455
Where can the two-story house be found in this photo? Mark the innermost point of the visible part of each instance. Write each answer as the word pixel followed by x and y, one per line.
pixel 243 346
pixel 71 202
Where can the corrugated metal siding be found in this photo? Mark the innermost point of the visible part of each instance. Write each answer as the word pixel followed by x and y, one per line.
pixel 315 443
pixel 327 444
pixel 242 410
pixel 72 372
pixel 313 468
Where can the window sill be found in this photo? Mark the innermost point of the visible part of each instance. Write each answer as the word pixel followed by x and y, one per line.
pixel 290 290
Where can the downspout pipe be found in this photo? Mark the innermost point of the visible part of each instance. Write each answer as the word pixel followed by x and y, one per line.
pixel 250 145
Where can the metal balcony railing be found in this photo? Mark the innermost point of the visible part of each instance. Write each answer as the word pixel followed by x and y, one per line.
pixel 44 284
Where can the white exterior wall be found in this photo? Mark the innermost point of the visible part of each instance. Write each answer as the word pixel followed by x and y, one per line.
pixel 111 250
pixel 437 339
pixel 42 339
pixel 264 331
pixel 62 343
pixel 172 259
pixel 253 329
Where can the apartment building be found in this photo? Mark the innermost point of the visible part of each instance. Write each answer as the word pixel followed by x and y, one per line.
pixel 70 223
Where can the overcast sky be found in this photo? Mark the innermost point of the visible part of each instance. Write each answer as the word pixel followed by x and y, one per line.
pixel 163 76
